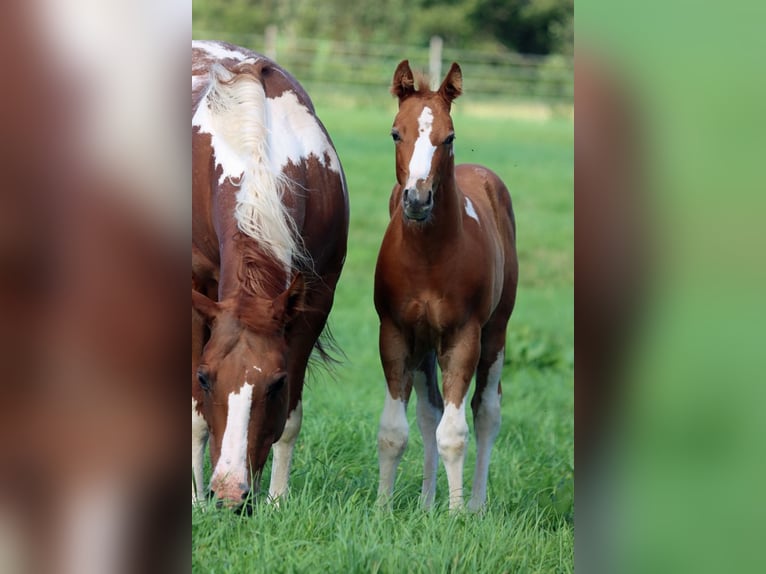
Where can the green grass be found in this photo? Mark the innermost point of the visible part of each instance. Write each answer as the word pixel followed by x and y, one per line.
pixel 330 520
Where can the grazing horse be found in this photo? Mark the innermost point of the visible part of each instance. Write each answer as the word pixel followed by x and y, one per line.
pixel 445 287
pixel 269 232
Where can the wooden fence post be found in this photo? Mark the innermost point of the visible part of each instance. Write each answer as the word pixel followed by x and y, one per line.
pixel 435 61
pixel 270 40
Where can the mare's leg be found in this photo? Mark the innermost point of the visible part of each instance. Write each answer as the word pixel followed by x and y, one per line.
pixel 199 426
pixel 302 338
pixel 429 412
pixel 458 360
pixel 486 406
pixel 393 431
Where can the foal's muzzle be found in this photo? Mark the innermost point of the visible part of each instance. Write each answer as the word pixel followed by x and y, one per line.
pixel 417 204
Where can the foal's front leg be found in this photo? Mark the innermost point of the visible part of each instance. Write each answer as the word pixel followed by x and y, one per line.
pixel 458 361
pixel 393 431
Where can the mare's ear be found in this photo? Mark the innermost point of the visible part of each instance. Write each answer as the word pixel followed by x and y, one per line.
pixel 292 301
pixel 452 86
pixel 206 306
pixel 403 85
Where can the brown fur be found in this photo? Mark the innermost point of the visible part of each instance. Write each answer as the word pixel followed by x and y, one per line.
pixel 444 287
pixel 249 317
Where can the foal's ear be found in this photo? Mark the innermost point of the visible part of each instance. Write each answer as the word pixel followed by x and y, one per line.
pixel 403 85
pixel 452 86
pixel 206 306
pixel 292 301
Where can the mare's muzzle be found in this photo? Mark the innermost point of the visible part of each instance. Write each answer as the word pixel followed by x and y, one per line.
pixel 417 203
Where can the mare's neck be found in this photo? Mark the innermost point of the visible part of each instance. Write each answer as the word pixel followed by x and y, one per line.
pixel 246 268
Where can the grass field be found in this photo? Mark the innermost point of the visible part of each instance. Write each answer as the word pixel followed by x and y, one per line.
pixel 330 522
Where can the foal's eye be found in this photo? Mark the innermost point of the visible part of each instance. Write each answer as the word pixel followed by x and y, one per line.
pixel 450 138
pixel 395 136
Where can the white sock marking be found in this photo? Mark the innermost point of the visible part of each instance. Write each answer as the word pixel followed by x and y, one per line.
pixel 451 438
pixel 392 440
pixel 487 426
pixel 199 440
pixel 420 163
pixel 428 419
pixel 470 210
pixel 283 454
pixel 232 468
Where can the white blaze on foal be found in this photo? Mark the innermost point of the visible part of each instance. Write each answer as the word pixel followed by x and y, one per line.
pixel 423 154
pixel 232 464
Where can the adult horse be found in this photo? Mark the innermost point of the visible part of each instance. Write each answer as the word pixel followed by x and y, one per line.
pixel 445 287
pixel 269 231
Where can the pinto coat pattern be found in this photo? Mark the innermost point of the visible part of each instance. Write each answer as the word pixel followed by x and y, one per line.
pixel 269 233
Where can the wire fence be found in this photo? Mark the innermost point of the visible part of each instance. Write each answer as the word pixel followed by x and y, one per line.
pixel 363 69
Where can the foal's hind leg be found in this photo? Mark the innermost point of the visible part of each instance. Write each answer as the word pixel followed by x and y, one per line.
pixel 486 408
pixel 429 413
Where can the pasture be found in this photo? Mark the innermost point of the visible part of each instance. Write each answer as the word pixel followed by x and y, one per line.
pixel 330 521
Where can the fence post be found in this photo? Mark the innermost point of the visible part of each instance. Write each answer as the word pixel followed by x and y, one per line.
pixel 435 61
pixel 270 40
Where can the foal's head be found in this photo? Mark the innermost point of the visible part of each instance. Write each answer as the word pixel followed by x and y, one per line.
pixel 243 373
pixel 423 134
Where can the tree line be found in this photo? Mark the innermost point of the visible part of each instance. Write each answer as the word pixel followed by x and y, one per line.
pixel 526 26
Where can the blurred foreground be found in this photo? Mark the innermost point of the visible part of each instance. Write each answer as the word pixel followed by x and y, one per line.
pixel 93 248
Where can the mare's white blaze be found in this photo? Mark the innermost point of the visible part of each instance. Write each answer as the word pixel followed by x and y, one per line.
pixel 470 210
pixel 199 439
pixel 487 426
pixel 295 134
pixel 451 439
pixel 392 440
pixel 283 453
pixel 428 416
pixel 235 116
pixel 422 155
pixel 232 464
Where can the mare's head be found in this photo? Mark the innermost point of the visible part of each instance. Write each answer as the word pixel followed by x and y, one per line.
pixel 423 134
pixel 243 373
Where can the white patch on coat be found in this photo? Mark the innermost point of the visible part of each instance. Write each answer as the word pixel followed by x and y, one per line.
pixel 393 433
pixel 217 50
pixel 295 134
pixel 422 155
pixel 232 465
pixel 283 454
pixel 451 439
pixel 234 114
pixel 470 210
pixel 199 440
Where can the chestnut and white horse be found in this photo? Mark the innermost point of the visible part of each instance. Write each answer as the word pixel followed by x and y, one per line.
pixel 269 231
pixel 445 287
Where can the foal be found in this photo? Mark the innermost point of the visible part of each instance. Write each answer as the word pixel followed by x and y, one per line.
pixel 445 287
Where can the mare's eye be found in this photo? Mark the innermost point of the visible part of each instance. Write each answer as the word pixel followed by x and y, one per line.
pixel 395 136
pixel 204 379
pixel 276 386
pixel 450 138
